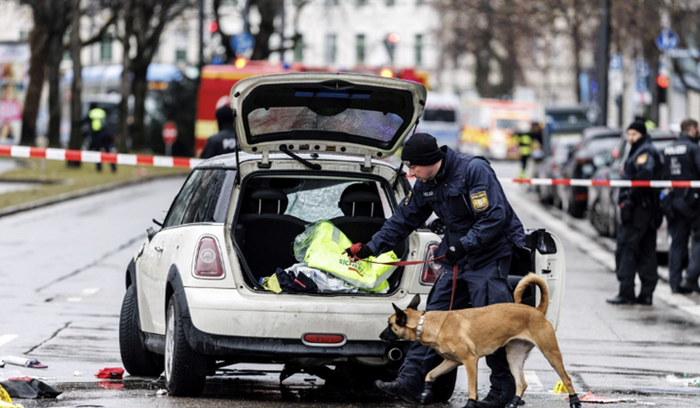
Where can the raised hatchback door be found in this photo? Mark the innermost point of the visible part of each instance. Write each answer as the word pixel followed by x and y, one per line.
pixel 325 112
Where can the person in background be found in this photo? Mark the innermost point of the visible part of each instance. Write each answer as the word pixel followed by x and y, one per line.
pixel 224 141
pixel 682 162
pixel 527 142
pixel 482 230
pixel 641 216
pixel 101 139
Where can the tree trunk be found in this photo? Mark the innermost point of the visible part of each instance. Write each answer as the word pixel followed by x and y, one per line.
pixel 37 64
pixel 140 89
pixel 76 110
pixel 55 52
pixel 125 121
pixel 269 10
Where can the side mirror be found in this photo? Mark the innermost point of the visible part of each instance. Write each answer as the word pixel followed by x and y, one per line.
pixel 150 232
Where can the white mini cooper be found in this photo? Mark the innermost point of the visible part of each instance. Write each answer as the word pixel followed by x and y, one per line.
pixel 312 148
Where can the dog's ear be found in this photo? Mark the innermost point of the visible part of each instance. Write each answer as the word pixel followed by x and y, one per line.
pixel 414 303
pixel 401 317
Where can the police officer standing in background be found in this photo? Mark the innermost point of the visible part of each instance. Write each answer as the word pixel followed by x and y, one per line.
pixel 482 228
pixel 224 141
pixel 682 162
pixel 526 145
pixel 641 216
pixel 101 138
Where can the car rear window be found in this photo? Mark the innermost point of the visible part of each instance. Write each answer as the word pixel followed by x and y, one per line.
pixel 203 198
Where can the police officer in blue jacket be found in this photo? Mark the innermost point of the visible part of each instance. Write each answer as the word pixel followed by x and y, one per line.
pixel 225 141
pixel 641 216
pixel 682 162
pixel 465 193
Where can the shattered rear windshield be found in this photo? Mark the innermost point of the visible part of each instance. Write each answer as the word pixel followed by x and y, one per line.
pixel 373 125
pixel 368 115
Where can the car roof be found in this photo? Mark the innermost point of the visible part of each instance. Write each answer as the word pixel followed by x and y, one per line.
pixel 598 131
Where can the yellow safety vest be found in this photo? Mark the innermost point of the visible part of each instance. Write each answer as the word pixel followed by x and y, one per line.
pixel 525 144
pixel 322 246
pixel 97 119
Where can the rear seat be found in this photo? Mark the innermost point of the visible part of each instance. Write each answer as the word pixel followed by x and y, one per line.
pixel 265 234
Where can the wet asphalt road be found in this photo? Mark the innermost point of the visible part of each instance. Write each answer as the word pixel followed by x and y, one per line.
pixel 62 275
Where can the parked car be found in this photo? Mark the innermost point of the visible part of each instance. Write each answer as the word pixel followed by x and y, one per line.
pixel 310 144
pixel 551 167
pixel 593 141
pixel 603 209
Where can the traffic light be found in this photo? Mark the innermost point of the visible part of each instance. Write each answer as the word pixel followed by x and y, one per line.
pixel 390 43
pixel 213 27
pixel 662 83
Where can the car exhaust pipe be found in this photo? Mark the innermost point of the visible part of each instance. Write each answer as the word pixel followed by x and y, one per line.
pixel 394 354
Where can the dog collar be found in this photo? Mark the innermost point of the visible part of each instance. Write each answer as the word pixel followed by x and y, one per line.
pixel 419 329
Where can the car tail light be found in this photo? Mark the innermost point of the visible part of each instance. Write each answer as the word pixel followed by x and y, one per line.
pixel 583 160
pixel 323 339
pixel 431 270
pixel 208 259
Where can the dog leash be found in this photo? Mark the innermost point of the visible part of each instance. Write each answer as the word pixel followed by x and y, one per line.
pixel 354 248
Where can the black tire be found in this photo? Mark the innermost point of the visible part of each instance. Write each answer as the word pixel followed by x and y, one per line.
pixel 136 358
pixel 185 370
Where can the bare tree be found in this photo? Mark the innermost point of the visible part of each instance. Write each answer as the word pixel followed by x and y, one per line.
pixel 495 33
pixel 149 20
pixel 75 46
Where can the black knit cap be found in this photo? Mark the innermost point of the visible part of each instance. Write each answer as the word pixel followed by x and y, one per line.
pixel 421 150
pixel 639 126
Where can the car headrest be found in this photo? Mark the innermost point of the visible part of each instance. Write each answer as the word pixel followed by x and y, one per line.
pixel 361 200
pixel 268 201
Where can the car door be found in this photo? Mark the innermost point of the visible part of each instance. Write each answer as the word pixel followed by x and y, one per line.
pixel 159 254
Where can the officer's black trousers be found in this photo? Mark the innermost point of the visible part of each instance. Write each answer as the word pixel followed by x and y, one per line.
pixel 636 253
pixel 482 287
pixel 681 229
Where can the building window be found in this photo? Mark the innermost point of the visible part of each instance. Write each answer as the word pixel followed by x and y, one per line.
pixel 299 49
pixel 419 49
pixel 360 3
pixel 181 46
pixel 390 2
pixel 106 49
pixel 331 2
pixel 420 2
pixel 360 49
pixel 331 48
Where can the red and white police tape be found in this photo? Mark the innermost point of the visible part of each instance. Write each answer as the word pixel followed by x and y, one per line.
pixel 604 183
pixel 97 157
pixel 186 162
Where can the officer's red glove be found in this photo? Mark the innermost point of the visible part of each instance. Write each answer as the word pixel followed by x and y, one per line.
pixel 455 253
pixel 358 251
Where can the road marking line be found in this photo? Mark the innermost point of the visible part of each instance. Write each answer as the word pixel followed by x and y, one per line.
pixel 90 291
pixel 6 338
pixel 533 382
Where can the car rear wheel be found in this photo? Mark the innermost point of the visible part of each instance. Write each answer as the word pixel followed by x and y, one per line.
pixel 136 358
pixel 185 370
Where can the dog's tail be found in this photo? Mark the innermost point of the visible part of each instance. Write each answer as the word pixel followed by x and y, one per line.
pixel 529 279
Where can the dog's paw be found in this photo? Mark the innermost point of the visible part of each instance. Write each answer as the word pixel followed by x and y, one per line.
pixel 574 402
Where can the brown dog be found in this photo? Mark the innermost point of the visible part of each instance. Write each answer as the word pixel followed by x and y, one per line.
pixel 463 336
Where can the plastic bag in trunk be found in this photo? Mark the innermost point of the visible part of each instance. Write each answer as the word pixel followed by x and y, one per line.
pixel 322 245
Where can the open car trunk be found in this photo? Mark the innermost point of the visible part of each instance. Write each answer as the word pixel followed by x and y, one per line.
pixel 275 209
